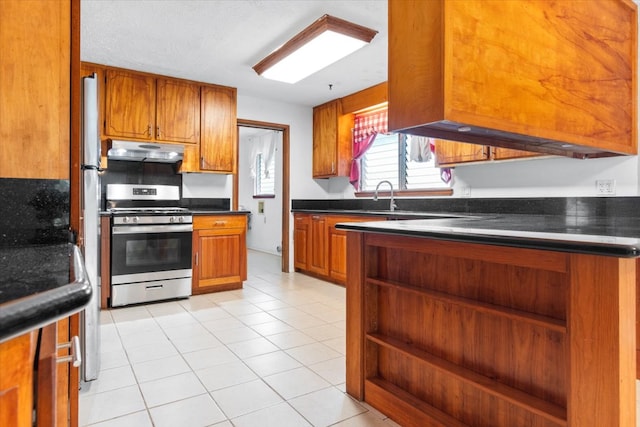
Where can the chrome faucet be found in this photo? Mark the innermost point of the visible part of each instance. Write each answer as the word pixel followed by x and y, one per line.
pixel 392 204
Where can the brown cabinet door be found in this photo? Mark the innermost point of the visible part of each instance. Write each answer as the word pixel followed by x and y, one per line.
pixel 498 153
pixel 451 152
pixel 318 251
pixel 338 255
pixel 325 136
pixel 16 381
pixel 220 254
pixel 35 88
pixel 129 105
pixel 177 111
pixel 218 143
pixel 301 242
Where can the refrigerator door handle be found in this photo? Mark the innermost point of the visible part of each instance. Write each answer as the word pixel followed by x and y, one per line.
pixel 81 277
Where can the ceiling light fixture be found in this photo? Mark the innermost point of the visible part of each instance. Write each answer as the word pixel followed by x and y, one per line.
pixel 324 42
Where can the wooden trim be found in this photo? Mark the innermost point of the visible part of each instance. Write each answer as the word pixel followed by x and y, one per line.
pixel 520 257
pixel 601 321
pixel 370 98
pixel 324 23
pixel 355 315
pixel 286 186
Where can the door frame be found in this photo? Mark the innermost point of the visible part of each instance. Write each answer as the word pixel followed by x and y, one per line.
pixel 285 180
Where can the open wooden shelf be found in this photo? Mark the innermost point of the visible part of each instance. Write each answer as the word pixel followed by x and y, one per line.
pixel 496 310
pixel 550 411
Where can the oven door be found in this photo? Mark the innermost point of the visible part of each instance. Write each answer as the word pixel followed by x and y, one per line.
pixel 150 252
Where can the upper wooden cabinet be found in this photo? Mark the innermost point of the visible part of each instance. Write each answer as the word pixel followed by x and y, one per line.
pixel 331 141
pixel 332 125
pixel 219 137
pixel 553 77
pixel 35 87
pixel 451 153
pixel 177 111
pixel 129 105
pixel 140 106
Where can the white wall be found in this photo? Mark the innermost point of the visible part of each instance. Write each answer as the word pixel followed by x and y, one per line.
pixel 546 177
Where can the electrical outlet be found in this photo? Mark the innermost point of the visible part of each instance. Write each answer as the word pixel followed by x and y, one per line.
pixel 606 187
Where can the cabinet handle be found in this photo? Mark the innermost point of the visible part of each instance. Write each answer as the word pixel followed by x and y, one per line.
pixel 158 132
pixel 149 130
pixel 75 357
pixel 333 166
pixel 315 217
pixel 196 258
pixel 219 223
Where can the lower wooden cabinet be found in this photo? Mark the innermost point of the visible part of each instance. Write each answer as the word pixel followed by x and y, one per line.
pixel 219 253
pixel 319 248
pixel 16 381
pixel 34 376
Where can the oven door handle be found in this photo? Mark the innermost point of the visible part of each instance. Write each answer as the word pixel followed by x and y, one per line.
pixel 137 229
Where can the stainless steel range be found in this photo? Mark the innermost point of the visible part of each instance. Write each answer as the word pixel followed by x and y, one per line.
pixel 150 244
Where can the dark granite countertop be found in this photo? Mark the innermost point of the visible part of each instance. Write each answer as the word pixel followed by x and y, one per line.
pixel 29 301
pixel 595 225
pixel 608 236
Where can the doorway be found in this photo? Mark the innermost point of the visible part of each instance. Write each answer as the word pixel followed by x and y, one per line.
pixel 256 129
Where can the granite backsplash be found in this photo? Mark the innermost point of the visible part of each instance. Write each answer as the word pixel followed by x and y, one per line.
pixel 564 206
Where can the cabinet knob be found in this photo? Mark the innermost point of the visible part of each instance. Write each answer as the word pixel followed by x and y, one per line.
pixel 158 132
pixel 149 130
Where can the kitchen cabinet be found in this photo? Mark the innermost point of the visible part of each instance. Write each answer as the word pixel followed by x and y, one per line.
pixel 35 87
pixel 35 375
pixel 16 382
pixel 219 252
pixel 451 333
pixel 317 244
pixel 301 241
pixel 319 248
pixel 533 76
pixel 130 100
pixel 219 137
pixel 332 147
pixel 452 153
pixel 142 106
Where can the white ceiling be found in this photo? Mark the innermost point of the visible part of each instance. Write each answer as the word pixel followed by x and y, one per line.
pixel 218 41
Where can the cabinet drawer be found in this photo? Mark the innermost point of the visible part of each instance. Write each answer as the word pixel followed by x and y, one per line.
pixel 219 221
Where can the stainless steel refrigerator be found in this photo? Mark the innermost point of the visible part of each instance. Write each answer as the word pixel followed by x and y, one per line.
pixel 90 323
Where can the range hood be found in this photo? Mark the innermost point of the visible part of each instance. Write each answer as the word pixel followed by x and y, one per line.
pixel 144 151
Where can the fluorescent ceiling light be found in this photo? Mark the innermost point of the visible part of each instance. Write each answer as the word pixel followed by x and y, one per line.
pixel 324 42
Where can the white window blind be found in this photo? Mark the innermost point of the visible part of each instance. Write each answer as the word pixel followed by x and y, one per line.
pixel 388 158
pixel 265 183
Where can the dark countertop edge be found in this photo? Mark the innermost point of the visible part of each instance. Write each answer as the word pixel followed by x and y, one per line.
pixel 26 314
pixel 376 213
pixel 559 245
pixel 197 212
pixel 217 212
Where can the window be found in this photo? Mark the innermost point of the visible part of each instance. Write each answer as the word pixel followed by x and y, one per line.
pixel 265 182
pixel 389 158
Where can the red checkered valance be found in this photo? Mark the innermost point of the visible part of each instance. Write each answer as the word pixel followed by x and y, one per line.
pixel 368 123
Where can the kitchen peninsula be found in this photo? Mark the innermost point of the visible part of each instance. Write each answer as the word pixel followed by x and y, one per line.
pixel 494 320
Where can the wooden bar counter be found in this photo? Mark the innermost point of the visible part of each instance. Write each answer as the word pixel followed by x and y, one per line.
pixel 443 330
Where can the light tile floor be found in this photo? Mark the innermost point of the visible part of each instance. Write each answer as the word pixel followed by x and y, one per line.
pixel 271 354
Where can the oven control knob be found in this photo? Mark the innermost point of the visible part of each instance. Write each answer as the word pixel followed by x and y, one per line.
pixel 172 219
pixel 135 219
pixel 180 219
